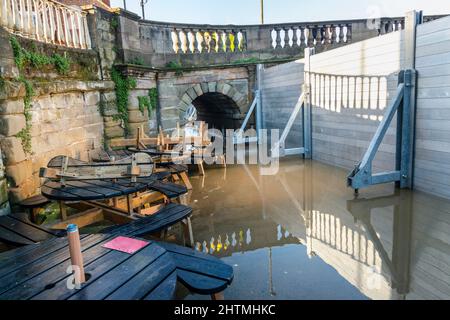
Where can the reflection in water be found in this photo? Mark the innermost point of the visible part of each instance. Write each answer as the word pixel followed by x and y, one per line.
pixel 302 235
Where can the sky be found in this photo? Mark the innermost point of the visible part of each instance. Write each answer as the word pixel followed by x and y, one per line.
pixel 278 11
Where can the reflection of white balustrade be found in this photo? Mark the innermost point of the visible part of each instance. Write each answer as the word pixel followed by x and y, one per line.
pixel 46 21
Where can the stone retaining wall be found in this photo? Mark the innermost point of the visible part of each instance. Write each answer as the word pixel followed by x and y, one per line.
pixel 66 119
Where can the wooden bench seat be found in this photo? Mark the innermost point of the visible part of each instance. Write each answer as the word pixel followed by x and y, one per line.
pixel 169 189
pixel 18 231
pixel 166 217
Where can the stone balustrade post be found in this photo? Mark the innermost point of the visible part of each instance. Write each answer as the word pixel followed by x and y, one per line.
pixel 286 36
pixel 195 41
pixel 227 40
pixel 278 38
pixel 310 36
pixel 294 36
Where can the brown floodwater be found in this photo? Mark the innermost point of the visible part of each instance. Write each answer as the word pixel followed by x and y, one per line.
pixel 302 234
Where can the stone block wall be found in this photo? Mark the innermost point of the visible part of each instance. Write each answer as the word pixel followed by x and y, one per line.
pixel 4 203
pixel 66 120
pixel 66 114
pixel 102 27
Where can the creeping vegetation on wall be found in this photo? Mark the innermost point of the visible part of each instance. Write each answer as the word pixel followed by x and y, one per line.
pixel 175 66
pixel 123 85
pixel 148 102
pixel 114 23
pixel 137 61
pixel 25 134
pixel 24 57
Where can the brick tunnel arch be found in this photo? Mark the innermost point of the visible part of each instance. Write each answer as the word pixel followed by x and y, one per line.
pixel 220 104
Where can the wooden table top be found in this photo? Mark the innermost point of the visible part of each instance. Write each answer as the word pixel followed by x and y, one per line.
pixel 89 190
pixel 39 271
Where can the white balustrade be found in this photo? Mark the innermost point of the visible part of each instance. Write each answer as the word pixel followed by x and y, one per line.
pixel 200 41
pixel 46 21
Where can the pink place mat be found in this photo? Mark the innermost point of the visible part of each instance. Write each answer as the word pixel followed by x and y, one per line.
pixel 124 244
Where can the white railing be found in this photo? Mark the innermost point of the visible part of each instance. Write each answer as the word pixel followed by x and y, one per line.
pixel 46 21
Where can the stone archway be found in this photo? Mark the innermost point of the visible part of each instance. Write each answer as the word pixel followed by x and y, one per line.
pixel 208 91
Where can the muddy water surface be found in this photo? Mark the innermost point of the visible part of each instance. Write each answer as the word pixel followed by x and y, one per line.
pixel 302 234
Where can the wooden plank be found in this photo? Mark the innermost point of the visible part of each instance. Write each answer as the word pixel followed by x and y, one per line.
pixel 165 290
pixel 9 236
pixel 211 268
pixel 118 276
pixel 146 280
pixel 171 190
pixel 25 230
pixel 168 216
pixel 199 283
pixel 81 219
pixel 49 279
pixel 44 262
pixel 24 218
pixel 96 269
pixel 18 258
pixel 183 254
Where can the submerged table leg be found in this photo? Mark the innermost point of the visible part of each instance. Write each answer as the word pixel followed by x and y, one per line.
pixel 63 210
pixel 218 296
pixel 188 234
pixel 130 204
pixel 186 180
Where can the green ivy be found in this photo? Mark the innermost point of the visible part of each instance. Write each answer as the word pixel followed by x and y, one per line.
pixel 62 64
pixel 137 61
pixel 148 102
pixel 23 57
pixel 144 104
pixel 123 85
pixel 25 134
pixel 175 66
pixel 114 24
pixel 153 94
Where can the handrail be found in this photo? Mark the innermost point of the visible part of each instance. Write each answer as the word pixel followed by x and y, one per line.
pixel 46 21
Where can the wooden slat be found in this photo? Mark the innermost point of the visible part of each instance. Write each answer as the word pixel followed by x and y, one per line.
pixel 145 281
pixel 9 236
pixel 42 263
pixel 166 289
pixel 168 216
pixel 20 257
pixel 118 276
pixel 199 283
pixel 24 230
pixel 96 268
pixel 171 190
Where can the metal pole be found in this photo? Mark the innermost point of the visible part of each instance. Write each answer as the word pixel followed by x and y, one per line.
pixel 262 11
pixel 125 4
pixel 259 100
pixel 412 19
pixel 143 3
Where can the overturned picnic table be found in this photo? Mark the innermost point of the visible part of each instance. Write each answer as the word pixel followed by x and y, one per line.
pixel 162 159
pixel 39 272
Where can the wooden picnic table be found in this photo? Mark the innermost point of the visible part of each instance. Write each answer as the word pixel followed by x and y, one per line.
pixel 39 272
pixel 118 200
